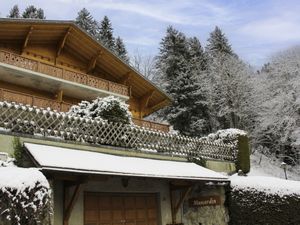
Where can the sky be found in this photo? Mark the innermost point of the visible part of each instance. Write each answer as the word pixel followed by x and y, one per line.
pixel 256 29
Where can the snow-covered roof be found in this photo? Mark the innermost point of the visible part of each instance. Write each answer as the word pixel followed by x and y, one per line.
pixel 73 160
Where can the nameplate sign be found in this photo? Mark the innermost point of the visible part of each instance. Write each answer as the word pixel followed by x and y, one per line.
pixel 205 201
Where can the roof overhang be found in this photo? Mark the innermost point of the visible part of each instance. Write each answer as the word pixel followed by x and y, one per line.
pixel 14 31
pixel 59 159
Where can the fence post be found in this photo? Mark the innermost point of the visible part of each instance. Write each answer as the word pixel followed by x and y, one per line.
pixel 243 155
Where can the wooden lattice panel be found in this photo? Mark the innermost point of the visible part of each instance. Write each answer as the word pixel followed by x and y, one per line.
pixel 28 120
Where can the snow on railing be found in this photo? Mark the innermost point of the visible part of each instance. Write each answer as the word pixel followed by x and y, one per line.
pixel 25 119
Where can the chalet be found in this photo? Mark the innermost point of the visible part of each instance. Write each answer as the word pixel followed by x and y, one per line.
pixel 150 177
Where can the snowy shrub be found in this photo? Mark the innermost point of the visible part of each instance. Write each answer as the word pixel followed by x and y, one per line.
pixel 108 108
pixel 24 196
pixel 237 138
pixel 264 201
pixel 227 136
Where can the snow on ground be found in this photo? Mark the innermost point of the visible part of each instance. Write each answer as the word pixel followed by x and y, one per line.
pixel 270 185
pixel 21 178
pixel 267 176
pixel 262 165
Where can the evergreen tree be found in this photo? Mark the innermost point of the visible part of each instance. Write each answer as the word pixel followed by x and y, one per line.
pixel 178 68
pixel 86 21
pixel 120 50
pixel 33 13
pixel 218 43
pixel 106 34
pixel 14 12
pixel 197 55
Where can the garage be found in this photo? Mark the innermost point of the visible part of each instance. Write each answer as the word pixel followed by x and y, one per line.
pixel 120 209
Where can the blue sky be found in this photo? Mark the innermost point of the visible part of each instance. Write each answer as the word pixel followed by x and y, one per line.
pixel 255 28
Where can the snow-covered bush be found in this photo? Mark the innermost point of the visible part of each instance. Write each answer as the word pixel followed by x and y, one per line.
pixel 24 196
pixel 237 138
pixel 227 136
pixel 264 201
pixel 108 108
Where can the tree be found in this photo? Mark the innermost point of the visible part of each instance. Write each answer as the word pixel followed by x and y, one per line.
pixel 106 34
pixel 277 126
pixel 230 93
pixel 145 64
pixel 33 13
pixel 218 43
pixel 14 12
pixel 120 50
pixel 86 21
pixel 179 66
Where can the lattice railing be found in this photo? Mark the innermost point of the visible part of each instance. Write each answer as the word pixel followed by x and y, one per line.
pixel 35 121
pixel 62 73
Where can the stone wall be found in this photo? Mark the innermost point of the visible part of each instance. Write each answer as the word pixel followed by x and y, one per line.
pixel 206 215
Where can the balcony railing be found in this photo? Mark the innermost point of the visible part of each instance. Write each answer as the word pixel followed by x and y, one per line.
pixel 27 99
pixel 33 121
pixel 81 78
pixel 152 125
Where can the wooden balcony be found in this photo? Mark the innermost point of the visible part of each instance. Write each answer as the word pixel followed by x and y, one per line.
pixel 62 73
pixel 26 99
pixel 40 102
pixel 152 125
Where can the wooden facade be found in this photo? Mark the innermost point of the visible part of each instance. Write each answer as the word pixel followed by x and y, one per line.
pixel 56 64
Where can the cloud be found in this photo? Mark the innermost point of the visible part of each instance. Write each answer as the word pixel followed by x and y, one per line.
pixel 174 12
pixel 276 29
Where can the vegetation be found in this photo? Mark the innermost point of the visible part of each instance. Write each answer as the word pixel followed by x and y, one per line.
pixel 30 12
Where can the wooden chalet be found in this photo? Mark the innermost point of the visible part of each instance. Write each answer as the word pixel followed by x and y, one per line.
pixel 57 64
pixel 102 173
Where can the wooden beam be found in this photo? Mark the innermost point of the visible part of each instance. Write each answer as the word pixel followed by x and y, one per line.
pixel 92 63
pixel 59 95
pixel 25 44
pixel 145 100
pixel 182 198
pixel 62 42
pixel 68 206
pixel 125 79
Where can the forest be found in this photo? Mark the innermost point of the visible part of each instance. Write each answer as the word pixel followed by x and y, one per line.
pixel 212 87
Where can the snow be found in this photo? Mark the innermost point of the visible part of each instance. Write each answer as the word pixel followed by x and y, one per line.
pixel 64 159
pixel 226 136
pixel 269 185
pixel 21 178
pixel 262 165
pixel 267 176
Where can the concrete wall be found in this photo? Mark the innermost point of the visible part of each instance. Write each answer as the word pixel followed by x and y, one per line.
pixel 114 184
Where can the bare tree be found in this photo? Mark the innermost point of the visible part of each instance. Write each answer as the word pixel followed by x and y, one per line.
pixel 143 63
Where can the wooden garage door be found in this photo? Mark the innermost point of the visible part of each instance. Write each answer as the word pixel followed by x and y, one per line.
pixel 120 209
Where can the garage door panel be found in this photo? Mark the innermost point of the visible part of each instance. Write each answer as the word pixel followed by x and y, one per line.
pixel 152 213
pixel 130 214
pixel 140 202
pixel 117 214
pixel 120 209
pixel 105 215
pixel 104 202
pixel 91 215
